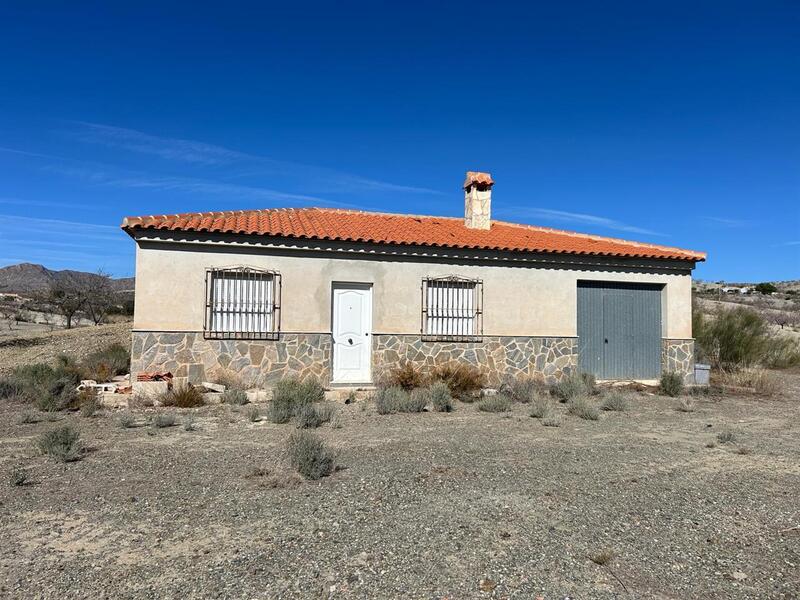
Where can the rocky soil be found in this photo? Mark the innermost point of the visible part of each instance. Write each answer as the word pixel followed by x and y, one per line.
pixel 460 505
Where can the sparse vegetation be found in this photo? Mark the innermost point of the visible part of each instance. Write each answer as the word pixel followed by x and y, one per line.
pixel 62 443
pixel 89 403
pixel 416 401
pixel 182 396
pixel 463 380
pixel 235 397
pixel 291 395
pixel 29 416
pixel 584 408
pixel 603 557
pixel 756 379
pixel 615 401
pixel 573 386
pixel 671 384
pixel 106 363
pixel 541 406
pixel 726 436
pixel 495 404
pixel 440 397
pixel 554 418
pixel 521 389
pixel 743 450
pixel 407 376
pixel 685 404
pixel 189 422
pixel 253 414
pixel 309 455
pixel 18 477
pixel 396 400
pixel 125 420
pixel 163 420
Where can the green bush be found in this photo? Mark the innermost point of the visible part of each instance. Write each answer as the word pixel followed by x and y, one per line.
pixel 584 408
pixel 235 397
pixel 671 384
pixel 440 397
pixel 495 404
pixel 62 443
pixel 104 364
pixel 291 395
pixel 309 455
pixel 388 400
pixel 615 401
pixel 573 386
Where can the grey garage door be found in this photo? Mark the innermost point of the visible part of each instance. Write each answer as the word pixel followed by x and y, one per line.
pixel 619 329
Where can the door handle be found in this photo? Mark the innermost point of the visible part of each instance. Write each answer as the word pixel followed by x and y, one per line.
pixel 350 341
pixel 605 341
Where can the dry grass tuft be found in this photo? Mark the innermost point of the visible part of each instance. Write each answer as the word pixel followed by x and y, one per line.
pixel 603 557
pixel 685 404
pixel 495 404
pixel 583 408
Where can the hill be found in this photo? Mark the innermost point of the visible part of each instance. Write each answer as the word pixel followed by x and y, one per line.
pixel 26 278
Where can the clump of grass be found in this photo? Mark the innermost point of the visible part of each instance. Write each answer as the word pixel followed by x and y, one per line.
pixel 309 455
pixel 30 416
pixel 126 420
pixel 711 444
pixel 163 420
pixel 406 376
pixel 416 401
pixel 743 450
pixel 231 380
pixel 311 416
pixel 603 557
pixel 495 404
pixel 615 401
pixel 389 399
pixel 189 423
pixel 671 384
pixel 440 397
pixel 182 396
pixel 757 379
pixel 584 408
pixel 235 397
pixel 253 414
pixel 541 406
pixel 104 364
pixel 521 389
pixel 685 404
pixel 463 380
pixel 554 418
pixel 89 403
pixel 291 395
pixel 573 386
pixel 726 436
pixel 18 477
pixel 62 443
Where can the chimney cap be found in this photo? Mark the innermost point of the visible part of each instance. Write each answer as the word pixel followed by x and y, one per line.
pixel 478 178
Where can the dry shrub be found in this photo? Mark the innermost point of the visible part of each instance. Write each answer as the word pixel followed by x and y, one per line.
pixel 291 395
pixel 182 396
pixel 685 404
pixel 126 420
pixel 463 380
pixel 234 397
pixel 440 397
pixel 671 384
pixel 554 418
pixel 522 389
pixel 311 416
pixel 583 408
pixel 104 364
pixel 615 401
pixel 89 402
pixel 407 376
pixel 253 414
pixel 602 557
pixel 541 406
pixel 495 404
pixel 309 455
pixel 18 477
pixel 726 436
pixel 397 400
pixel 163 420
pixel 573 385
pixel 757 379
pixel 62 443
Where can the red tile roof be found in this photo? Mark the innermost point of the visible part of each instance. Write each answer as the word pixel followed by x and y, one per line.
pixel 385 228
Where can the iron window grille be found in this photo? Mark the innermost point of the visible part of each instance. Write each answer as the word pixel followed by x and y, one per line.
pixel 452 309
pixel 242 304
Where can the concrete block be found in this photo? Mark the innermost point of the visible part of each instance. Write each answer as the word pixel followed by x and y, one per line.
pixel 150 389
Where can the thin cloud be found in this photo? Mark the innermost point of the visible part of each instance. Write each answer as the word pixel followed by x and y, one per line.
pixel 561 216
pixel 201 153
pixel 733 223
pixel 48 203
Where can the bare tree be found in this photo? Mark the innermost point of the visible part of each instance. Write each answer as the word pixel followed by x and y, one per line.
pixel 66 298
pixel 99 297
pixel 10 313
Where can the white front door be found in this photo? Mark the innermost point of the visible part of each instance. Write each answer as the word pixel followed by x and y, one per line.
pixel 352 325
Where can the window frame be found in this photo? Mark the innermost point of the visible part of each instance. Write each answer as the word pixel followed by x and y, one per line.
pixel 477 310
pixel 247 274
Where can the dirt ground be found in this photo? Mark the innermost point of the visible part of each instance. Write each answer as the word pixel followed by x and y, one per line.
pixel 23 346
pixel 423 506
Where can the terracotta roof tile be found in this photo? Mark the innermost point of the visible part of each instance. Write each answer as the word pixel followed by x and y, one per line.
pixel 386 228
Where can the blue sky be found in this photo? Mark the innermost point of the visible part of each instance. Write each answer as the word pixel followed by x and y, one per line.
pixel 673 123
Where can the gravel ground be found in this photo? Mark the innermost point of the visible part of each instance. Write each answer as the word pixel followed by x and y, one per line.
pixel 460 505
pixel 26 346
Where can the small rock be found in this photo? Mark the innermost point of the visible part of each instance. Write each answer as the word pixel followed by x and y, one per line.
pixel 738 576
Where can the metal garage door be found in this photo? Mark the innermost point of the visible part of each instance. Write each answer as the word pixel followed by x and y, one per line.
pixel 619 329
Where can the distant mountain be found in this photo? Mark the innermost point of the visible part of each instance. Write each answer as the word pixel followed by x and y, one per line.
pixel 26 278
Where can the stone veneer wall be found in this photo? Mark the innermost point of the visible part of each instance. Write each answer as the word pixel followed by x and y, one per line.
pixel 190 356
pixel 549 357
pixel 678 356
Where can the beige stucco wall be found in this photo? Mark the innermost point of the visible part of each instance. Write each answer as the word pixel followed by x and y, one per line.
pixel 518 300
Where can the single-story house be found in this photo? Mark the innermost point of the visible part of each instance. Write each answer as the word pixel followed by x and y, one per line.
pixel 345 295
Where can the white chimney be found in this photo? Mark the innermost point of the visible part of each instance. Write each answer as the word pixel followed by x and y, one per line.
pixel 478 200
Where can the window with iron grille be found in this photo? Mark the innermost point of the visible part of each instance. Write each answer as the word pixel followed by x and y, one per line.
pixel 242 303
pixel 452 309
